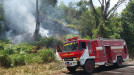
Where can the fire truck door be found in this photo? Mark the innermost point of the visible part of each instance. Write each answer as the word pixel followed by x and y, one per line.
pixel 108 54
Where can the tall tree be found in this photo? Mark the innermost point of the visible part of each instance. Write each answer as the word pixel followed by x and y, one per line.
pixel 106 13
pixel 127 20
pixel 3 23
pixel 36 33
pixel 1 17
pixel 83 5
pixel 46 2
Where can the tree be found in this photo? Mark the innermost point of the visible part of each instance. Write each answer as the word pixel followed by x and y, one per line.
pixel 47 5
pixel 70 13
pixel 106 14
pixel 3 23
pixel 127 21
pixel 36 33
pixel 86 23
pixel 46 2
pixel 1 18
pixel 83 5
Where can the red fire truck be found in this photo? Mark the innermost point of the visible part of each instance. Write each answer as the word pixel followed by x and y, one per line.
pixel 90 53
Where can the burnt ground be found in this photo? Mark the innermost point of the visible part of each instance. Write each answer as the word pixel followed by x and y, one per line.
pixel 127 69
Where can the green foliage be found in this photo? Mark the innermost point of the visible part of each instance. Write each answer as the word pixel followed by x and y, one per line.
pixel 2 45
pixel 18 59
pixel 127 21
pixel 1 9
pixel 5 61
pixel 48 42
pixel 86 24
pixel 83 6
pixel 71 15
pixel 95 32
pixel 49 2
pixel 33 58
pixel 16 55
pixel 23 48
pixel 87 37
pixel 8 49
pixel 72 26
pixel 115 27
pixel 47 55
pixel 6 52
pixel 1 18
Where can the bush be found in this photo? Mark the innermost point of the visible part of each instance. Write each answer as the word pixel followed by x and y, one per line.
pixel 18 59
pixel 33 58
pixel 23 48
pixel 7 50
pixel 2 45
pixel 16 55
pixel 5 61
pixel 48 42
pixel 47 55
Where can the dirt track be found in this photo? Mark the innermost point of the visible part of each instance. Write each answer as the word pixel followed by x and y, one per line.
pixel 127 69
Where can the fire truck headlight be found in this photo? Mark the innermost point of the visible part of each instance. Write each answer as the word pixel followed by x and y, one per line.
pixel 74 59
pixel 77 59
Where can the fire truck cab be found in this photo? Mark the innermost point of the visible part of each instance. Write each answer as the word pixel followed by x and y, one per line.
pixel 89 53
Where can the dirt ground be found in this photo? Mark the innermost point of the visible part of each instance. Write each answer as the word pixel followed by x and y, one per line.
pixel 127 69
pixel 34 69
pixel 59 69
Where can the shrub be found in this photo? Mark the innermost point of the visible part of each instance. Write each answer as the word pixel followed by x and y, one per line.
pixel 48 42
pixel 18 59
pixel 2 45
pixel 23 48
pixel 7 49
pixel 47 55
pixel 33 58
pixel 5 61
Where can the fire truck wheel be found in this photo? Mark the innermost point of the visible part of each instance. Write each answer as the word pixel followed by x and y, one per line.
pixel 71 69
pixel 89 66
pixel 119 62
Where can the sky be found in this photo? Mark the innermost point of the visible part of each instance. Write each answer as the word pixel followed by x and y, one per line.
pixel 113 2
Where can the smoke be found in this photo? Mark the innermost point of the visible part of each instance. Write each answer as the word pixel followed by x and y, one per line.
pixel 20 14
pixel 21 17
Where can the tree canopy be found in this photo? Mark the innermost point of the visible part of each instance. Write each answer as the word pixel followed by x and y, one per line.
pixel 127 21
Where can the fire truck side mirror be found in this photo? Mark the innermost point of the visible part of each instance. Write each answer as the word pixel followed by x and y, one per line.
pixel 94 51
pixel 59 48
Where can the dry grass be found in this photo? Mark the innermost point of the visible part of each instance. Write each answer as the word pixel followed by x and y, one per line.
pixel 34 69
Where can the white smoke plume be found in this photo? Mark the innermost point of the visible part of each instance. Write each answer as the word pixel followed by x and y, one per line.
pixel 20 14
pixel 21 17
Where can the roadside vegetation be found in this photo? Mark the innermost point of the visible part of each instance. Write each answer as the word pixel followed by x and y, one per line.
pixel 26 53
pixel 30 58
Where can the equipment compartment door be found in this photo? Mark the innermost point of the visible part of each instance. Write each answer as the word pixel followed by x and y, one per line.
pixel 108 54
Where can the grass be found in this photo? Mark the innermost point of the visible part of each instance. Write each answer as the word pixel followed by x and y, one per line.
pixel 22 60
pixel 34 69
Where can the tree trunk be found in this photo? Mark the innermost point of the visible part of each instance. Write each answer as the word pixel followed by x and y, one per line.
pixel 36 33
pixel 94 13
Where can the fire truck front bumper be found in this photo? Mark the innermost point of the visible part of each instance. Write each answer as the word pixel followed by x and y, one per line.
pixel 70 63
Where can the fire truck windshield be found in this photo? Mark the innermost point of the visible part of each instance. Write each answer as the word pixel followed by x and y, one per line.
pixel 69 47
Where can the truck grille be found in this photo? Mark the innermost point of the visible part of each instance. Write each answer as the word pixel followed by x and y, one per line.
pixel 68 59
